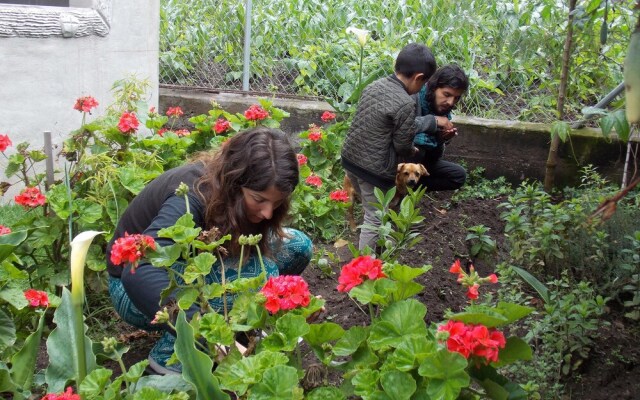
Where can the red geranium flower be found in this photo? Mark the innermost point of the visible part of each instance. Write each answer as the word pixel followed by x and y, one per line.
pixel 30 198
pixel 328 116
pixel 221 126
pixel 314 180
pixel 302 159
pixel 130 249
pixel 315 133
pixel 37 298
pixel 359 269
pixel 471 280
pixel 128 122
pixel 285 292
pixel 183 132
pixel 175 112
pixel 339 195
pixel 455 267
pixel 472 292
pixel 256 113
pixel 4 230
pixel 66 395
pixel 474 340
pixel 4 142
pixel 85 104
pixel 161 131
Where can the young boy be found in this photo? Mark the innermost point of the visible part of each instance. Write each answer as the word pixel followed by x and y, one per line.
pixel 383 129
pixel 435 102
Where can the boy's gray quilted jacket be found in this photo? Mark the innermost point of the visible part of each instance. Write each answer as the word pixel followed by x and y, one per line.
pixel 382 130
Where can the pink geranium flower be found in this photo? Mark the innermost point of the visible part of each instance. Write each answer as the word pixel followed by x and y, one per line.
pixel 30 197
pixel 221 126
pixel 37 298
pixel 85 104
pixel 129 249
pixel 285 292
pixel 175 112
pixel 327 116
pixel 128 123
pixel 357 271
pixel 256 113
pixel 314 180
pixel 4 142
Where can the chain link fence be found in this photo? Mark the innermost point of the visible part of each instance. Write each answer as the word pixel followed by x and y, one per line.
pixel 512 51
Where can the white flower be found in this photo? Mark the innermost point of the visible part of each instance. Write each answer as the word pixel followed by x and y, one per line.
pixel 361 34
pixel 79 249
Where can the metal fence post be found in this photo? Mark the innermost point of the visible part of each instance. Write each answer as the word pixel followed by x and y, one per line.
pixel 48 151
pixel 246 67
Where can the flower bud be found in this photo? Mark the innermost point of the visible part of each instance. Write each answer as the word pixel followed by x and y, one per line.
pixel 182 189
pixel 109 344
pixel 441 336
pixel 162 317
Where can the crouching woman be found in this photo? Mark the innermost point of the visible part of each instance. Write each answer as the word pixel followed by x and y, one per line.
pixel 244 188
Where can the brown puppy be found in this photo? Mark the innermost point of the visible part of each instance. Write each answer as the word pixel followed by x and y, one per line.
pixel 407 175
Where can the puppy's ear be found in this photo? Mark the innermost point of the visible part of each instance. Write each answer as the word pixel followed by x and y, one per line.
pixel 423 170
pixel 400 166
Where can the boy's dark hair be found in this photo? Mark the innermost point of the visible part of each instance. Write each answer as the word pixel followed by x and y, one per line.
pixel 415 58
pixel 450 75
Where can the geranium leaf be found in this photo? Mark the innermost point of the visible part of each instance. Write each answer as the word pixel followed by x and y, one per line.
pixel 515 349
pixel 411 351
pixel 94 383
pixel 402 318
pixel 326 393
pixel 398 385
pixel 365 382
pixel 446 373
pixel 215 330
pixel 350 342
pixel 279 382
pixel 324 332
pixel 480 315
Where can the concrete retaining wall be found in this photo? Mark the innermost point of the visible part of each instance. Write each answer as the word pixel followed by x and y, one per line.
pixel 516 150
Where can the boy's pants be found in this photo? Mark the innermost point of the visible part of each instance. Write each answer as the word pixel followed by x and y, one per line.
pixel 368 237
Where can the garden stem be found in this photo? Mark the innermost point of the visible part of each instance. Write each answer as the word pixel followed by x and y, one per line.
pixel 123 368
pixel 224 292
pixel 360 69
pixel 264 271
pixel 299 356
pixel 240 261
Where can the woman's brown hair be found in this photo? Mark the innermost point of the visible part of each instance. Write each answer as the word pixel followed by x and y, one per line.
pixel 255 159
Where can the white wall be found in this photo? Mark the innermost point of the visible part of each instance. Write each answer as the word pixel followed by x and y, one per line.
pixel 40 78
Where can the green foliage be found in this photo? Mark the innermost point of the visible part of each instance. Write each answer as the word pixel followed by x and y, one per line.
pixel 312 209
pixel 563 335
pixel 481 244
pixel 630 293
pixel 512 51
pixel 397 230
pixel 480 187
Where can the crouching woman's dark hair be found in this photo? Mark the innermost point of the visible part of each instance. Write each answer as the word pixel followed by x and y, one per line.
pixel 255 159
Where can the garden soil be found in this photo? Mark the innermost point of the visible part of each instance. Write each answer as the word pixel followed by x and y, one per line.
pixel 611 372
